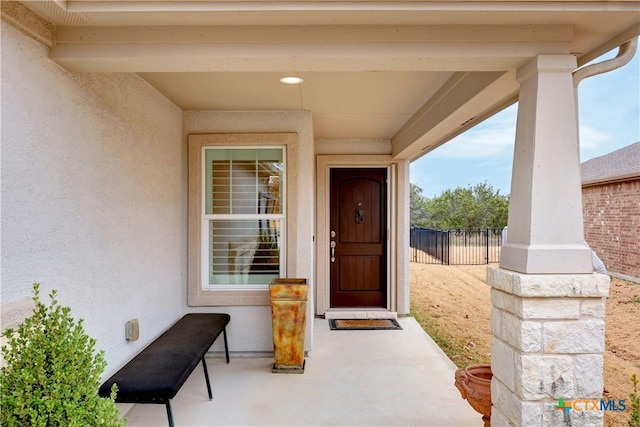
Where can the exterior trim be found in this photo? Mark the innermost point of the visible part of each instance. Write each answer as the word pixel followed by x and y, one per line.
pixel 611 180
pixel 323 166
pixel 28 22
pixel 196 296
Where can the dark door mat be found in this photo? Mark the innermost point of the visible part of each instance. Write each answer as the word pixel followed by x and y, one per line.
pixel 363 324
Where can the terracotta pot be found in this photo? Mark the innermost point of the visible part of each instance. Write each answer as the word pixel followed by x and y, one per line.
pixel 474 383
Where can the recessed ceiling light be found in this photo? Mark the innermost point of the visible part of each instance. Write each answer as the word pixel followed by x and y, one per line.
pixel 291 80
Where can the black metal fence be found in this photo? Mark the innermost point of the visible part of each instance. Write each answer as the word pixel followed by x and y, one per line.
pixel 455 247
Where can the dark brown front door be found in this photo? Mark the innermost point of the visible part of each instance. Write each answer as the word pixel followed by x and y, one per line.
pixel 358 238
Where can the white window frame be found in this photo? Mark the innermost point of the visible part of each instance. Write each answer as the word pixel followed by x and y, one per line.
pixel 204 228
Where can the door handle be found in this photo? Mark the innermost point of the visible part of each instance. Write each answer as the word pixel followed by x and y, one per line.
pixel 333 251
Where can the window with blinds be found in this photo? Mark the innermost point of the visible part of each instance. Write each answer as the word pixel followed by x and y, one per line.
pixel 244 215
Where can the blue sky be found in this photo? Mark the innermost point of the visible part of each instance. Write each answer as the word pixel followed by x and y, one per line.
pixel 609 108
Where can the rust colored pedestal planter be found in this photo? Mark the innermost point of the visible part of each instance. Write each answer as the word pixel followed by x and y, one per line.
pixel 474 383
pixel 288 316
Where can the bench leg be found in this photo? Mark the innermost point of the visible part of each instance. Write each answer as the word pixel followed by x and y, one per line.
pixel 206 377
pixel 170 414
pixel 226 347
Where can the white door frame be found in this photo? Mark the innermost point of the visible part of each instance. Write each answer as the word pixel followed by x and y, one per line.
pixel 323 166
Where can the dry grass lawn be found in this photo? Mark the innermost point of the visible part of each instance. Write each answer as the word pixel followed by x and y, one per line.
pixel 453 304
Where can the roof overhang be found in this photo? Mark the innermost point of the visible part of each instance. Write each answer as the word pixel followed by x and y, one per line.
pixel 416 73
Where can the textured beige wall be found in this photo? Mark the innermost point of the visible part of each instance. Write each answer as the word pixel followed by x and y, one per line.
pixel 92 195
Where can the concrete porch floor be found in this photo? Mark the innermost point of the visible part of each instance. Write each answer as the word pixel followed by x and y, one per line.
pixel 351 378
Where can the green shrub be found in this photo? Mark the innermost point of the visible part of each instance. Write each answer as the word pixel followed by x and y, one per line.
pixel 634 404
pixel 52 372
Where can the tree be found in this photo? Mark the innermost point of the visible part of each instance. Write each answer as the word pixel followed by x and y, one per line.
pixel 418 215
pixel 472 208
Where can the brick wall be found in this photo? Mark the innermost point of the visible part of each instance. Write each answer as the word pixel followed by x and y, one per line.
pixel 612 225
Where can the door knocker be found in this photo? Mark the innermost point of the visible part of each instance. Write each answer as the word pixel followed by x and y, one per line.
pixel 359 215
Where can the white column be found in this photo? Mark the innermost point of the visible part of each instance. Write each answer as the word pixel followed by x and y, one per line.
pixel 545 208
pixel 548 305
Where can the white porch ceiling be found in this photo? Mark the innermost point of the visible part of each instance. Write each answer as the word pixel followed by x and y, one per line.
pixel 345 105
pixel 416 73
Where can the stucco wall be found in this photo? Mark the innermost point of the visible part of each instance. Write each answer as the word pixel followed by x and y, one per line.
pixel 353 146
pixel 250 327
pixel 612 225
pixel 92 196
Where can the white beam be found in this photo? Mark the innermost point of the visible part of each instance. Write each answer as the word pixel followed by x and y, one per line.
pixel 117 6
pixel 315 33
pixel 253 49
pixel 464 101
pixel 546 233
pixel 319 57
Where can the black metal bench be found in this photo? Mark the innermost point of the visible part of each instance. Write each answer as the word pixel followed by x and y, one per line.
pixel 156 374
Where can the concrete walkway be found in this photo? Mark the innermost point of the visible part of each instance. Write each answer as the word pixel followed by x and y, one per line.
pixel 352 378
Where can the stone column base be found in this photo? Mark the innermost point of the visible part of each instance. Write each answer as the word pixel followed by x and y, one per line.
pixel 548 344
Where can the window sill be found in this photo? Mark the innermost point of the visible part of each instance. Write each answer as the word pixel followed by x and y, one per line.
pixel 200 297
